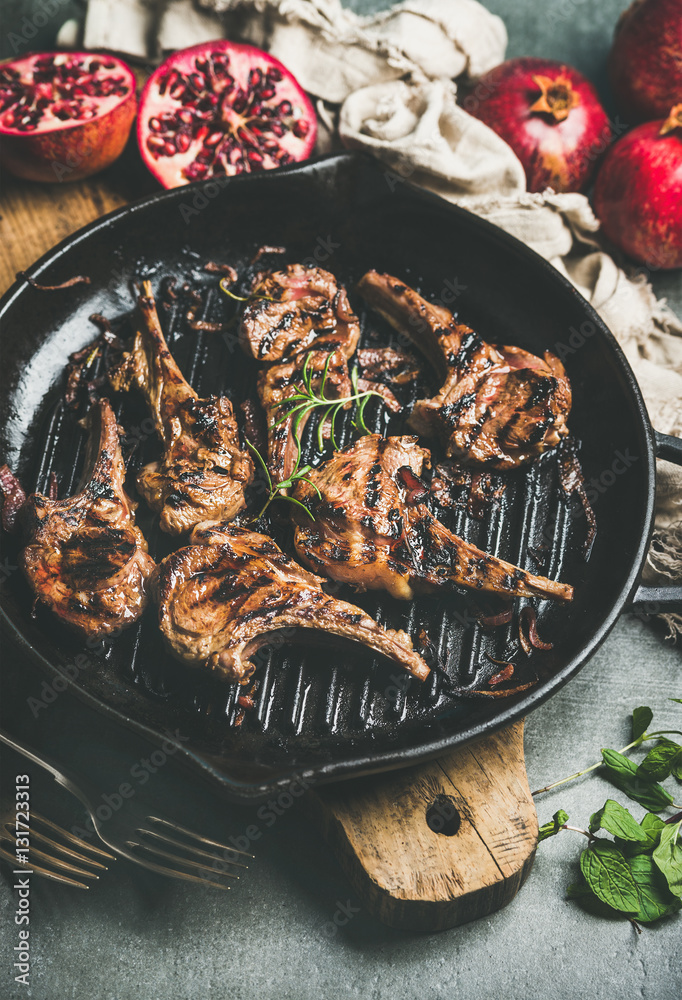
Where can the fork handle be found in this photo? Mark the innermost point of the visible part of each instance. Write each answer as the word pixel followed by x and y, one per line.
pixel 60 775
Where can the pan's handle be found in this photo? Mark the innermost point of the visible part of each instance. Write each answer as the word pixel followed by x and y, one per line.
pixel 651 600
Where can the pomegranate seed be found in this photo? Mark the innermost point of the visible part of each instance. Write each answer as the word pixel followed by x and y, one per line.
pixel 284 108
pixel 213 139
pixel 301 128
pixel 266 93
pixel 185 116
pixel 178 90
pixel 196 171
pixel 274 74
pixel 109 64
pixel 155 145
pixel 155 125
pixel 277 128
pixel 255 77
pixel 169 148
pixel 198 81
pixel 182 143
pixel 240 102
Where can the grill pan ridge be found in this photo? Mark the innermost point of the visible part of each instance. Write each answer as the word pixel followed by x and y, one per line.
pixel 328 712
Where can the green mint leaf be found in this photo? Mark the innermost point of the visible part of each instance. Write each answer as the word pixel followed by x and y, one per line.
pixel 552 828
pixel 641 719
pixel 608 875
pixel 653 825
pixel 656 900
pixel 668 857
pixel 615 819
pixel 678 700
pixel 659 762
pixel 623 774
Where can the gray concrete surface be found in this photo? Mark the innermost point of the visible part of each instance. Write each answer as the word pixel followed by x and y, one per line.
pixel 138 937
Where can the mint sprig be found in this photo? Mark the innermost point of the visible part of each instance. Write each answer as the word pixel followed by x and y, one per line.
pixel 638 874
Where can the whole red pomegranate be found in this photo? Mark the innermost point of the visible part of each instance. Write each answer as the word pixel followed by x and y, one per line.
pixel 551 117
pixel 221 108
pixel 64 115
pixel 645 64
pixel 638 192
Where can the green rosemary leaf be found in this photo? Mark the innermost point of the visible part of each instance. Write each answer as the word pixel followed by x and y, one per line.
pixel 262 462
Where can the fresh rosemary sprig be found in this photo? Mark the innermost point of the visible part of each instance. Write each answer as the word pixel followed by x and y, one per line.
pixel 242 298
pixel 303 402
pixel 275 489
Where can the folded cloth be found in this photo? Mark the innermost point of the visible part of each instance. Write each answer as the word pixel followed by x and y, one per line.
pixel 387 81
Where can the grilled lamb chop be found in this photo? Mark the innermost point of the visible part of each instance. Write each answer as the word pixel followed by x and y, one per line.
pixel 86 559
pixel 233 591
pixel 372 530
pixel 498 405
pixel 295 309
pixel 387 364
pixel 280 381
pixel 203 472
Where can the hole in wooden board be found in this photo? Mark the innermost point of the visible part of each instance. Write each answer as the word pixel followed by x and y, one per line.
pixel 442 816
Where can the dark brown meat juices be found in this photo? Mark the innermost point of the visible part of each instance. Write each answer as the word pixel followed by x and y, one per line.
pixel 86 559
pixel 500 406
pixel 203 472
pixel 233 591
pixel 372 530
pixel 305 315
pixel 295 309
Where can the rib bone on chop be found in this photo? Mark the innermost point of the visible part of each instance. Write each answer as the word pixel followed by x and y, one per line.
pixel 367 533
pixel 86 559
pixel 497 405
pixel 295 309
pixel 232 591
pixel 203 472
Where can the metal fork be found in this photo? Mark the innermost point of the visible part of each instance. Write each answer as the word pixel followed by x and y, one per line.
pixel 62 862
pixel 128 832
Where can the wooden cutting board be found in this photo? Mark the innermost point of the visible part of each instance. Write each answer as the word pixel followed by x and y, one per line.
pixel 439 844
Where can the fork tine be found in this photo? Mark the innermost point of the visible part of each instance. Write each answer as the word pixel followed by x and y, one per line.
pixel 35 852
pixel 178 861
pixel 196 836
pixel 68 851
pixel 45 872
pixel 73 838
pixel 173 872
pixel 189 847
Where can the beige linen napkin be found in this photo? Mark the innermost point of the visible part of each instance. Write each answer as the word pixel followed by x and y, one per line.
pixel 386 82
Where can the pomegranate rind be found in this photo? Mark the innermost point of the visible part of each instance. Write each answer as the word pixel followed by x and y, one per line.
pixel 645 62
pixel 561 155
pixel 638 196
pixel 170 170
pixel 73 149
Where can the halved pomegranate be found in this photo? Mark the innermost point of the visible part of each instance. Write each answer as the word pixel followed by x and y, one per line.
pixel 221 108
pixel 64 115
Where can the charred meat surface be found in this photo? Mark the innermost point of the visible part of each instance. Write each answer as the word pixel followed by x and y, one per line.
pixel 499 406
pixel 278 382
pixel 232 591
pixel 86 559
pixel 371 530
pixel 292 310
pixel 390 365
pixel 203 472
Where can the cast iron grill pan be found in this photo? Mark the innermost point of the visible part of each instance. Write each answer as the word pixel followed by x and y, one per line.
pixel 332 710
